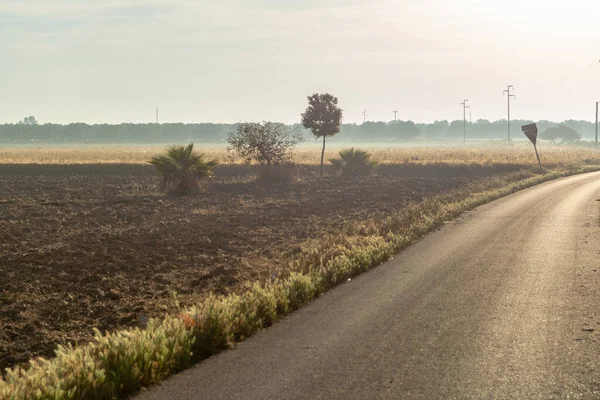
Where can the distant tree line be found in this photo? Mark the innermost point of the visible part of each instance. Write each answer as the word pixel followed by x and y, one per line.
pixel 122 133
pixel 29 130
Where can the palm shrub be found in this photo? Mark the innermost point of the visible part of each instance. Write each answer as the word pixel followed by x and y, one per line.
pixel 181 169
pixel 353 163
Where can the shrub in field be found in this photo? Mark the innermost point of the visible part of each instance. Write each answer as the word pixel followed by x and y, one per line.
pixel 182 169
pixel 323 117
pixel 267 143
pixel 354 163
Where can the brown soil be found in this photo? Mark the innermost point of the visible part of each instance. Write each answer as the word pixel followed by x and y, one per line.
pixel 84 251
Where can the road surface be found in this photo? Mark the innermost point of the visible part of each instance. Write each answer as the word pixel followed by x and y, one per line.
pixel 502 303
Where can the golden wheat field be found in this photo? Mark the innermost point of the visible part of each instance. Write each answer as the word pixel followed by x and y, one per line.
pixel 310 155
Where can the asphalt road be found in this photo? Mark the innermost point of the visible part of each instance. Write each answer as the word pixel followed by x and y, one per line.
pixel 502 303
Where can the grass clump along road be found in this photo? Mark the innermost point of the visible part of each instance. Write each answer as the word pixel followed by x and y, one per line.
pixel 89 247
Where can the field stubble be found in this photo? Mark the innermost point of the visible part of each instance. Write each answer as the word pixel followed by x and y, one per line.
pixel 521 154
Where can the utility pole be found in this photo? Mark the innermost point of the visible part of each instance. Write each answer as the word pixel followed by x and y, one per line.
pixel 364 116
pixel 465 106
pixel 395 112
pixel 507 91
pixel 157 116
pixel 597 124
pixel 596 141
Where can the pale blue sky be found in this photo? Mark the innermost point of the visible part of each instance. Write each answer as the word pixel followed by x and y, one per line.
pixel 232 60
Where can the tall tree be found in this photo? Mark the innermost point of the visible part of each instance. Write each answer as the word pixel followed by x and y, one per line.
pixel 323 117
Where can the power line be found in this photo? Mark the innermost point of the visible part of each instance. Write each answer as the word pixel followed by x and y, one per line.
pixel 564 78
pixel 507 91
pixel 465 106
pixel 577 72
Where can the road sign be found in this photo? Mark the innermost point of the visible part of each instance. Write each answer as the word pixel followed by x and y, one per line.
pixel 531 132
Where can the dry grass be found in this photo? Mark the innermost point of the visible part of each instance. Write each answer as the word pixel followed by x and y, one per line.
pixel 310 155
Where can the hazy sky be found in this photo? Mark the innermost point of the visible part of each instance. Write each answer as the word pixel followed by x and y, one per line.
pixel 232 60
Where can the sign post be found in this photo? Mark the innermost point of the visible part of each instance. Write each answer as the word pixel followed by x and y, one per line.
pixel 531 131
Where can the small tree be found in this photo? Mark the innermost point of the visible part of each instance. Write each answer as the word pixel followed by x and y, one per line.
pixel 267 144
pixel 354 163
pixel 323 117
pixel 182 169
pixel 560 134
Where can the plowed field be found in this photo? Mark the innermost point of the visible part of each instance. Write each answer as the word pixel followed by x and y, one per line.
pixel 80 250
